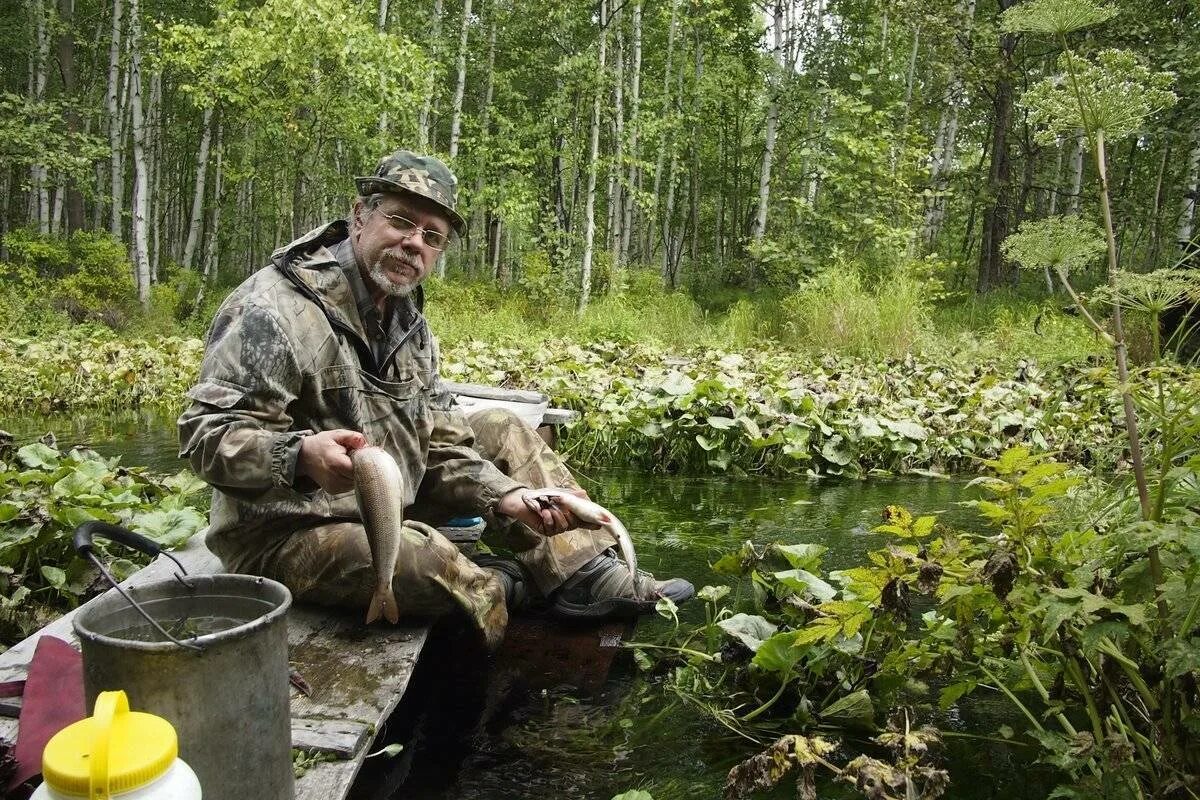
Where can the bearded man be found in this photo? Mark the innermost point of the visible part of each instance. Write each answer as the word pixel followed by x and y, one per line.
pixel 326 350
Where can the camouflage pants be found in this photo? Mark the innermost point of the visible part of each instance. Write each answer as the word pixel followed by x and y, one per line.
pixel 331 564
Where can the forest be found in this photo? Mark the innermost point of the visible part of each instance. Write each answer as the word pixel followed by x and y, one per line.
pixel 814 252
pixel 722 145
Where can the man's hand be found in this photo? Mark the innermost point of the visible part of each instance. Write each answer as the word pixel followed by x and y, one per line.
pixel 325 458
pixel 547 521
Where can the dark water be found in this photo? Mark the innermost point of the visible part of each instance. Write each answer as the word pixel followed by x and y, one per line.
pixel 555 741
pixel 546 741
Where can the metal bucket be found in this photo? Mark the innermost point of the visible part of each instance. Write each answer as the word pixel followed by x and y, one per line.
pixel 209 654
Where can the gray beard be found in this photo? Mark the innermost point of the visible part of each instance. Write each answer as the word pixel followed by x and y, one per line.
pixel 385 283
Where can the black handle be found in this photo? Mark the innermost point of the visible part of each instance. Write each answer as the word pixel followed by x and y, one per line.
pixel 85 532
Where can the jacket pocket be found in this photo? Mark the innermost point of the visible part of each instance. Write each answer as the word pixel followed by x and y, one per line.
pixel 216 394
pixel 342 377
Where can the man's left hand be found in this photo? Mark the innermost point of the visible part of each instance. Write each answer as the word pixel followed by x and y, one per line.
pixel 547 521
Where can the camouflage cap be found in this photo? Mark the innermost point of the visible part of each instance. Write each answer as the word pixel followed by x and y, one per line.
pixel 425 176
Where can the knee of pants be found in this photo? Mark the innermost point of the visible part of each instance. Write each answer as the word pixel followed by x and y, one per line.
pixel 496 427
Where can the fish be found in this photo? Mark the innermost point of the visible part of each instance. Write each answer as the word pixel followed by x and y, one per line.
pixel 594 514
pixel 379 489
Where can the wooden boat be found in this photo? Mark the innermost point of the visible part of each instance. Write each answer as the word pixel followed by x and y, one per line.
pixel 357 675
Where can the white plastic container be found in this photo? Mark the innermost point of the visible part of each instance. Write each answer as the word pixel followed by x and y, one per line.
pixel 116 753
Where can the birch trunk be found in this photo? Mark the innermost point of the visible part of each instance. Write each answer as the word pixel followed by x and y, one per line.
pixel 589 236
pixel 634 125
pixel 666 142
pixel 460 85
pixel 670 256
pixel 154 126
pixel 39 192
pixel 435 35
pixel 141 186
pixel 615 215
pixel 66 63
pixel 1058 164
pixel 197 215
pixel 942 163
pixel 381 25
pixel 1191 184
pixel 1076 175
pixel 211 258
pixel 764 177
pixel 478 212
pixel 115 109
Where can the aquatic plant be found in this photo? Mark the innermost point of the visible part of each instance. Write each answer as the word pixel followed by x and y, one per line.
pixel 1056 610
pixel 45 494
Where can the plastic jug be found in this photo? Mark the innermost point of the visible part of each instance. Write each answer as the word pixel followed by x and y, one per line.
pixel 116 753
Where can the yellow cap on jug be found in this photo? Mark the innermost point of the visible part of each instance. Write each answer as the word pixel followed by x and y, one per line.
pixel 113 751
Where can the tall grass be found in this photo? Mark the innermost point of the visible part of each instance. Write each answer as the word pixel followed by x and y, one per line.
pixel 837 312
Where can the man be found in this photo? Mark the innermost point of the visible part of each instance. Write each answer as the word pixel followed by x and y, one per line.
pixel 326 350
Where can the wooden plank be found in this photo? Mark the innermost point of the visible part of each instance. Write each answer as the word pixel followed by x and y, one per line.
pixel 357 674
pixel 337 738
pixel 327 780
pixel 495 393
pixel 559 416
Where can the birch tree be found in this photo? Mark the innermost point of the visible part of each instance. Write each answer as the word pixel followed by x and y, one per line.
pixel 772 124
pixel 141 187
pixel 1185 231
pixel 634 128
pixel 461 81
pixel 589 235
pixel 114 105
pixel 431 85
pixel 197 216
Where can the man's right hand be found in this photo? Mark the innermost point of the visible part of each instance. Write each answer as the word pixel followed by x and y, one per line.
pixel 325 459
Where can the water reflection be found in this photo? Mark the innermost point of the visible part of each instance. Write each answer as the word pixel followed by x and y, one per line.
pixel 141 437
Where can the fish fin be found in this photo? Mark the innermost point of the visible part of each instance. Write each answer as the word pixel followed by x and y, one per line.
pixel 383 603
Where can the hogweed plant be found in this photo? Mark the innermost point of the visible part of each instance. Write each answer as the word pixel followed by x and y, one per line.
pixel 1107 98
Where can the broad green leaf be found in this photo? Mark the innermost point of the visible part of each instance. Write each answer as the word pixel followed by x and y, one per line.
pixel 712 594
pixel 749 629
pixel 779 653
pixel 38 456
pixel 802 581
pixel 54 576
pixel 854 707
pixel 169 528
pixel 801 556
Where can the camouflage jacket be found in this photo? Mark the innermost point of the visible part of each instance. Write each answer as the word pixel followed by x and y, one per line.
pixel 288 354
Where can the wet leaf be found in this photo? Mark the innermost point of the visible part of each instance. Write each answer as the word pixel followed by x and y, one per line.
pixel 749 629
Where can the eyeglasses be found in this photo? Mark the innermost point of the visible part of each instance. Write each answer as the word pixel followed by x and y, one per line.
pixel 436 240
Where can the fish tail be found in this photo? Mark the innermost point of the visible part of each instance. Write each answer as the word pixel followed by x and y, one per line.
pixel 383 603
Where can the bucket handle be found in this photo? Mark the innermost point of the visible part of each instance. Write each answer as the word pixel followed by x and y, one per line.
pixel 82 541
pixel 108 706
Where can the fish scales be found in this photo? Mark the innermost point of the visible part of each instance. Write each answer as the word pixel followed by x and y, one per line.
pixel 379 489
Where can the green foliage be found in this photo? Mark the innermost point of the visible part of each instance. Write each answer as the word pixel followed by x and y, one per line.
pixel 1113 94
pixel 86 276
pixel 35 131
pixel 92 367
pixel 45 494
pixel 1055 17
pixel 837 313
pixel 783 413
pixel 1053 610
pixel 1063 244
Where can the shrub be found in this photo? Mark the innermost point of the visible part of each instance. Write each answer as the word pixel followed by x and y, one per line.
pixel 836 312
pixel 86 276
